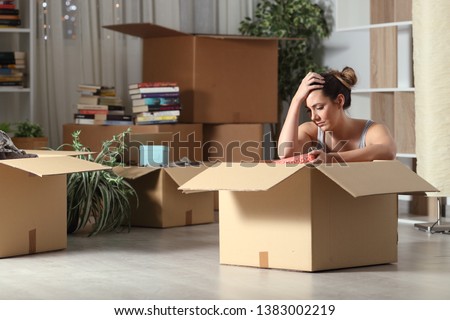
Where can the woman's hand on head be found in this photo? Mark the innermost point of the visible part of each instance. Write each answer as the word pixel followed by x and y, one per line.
pixel 310 82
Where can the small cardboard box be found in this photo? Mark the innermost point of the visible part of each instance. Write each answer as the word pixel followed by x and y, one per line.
pixel 185 141
pixel 222 79
pixel 39 223
pixel 161 204
pixel 308 218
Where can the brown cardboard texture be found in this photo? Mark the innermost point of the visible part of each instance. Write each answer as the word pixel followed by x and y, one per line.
pixel 222 79
pixel 134 140
pixel 186 139
pixel 232 143
pixel 308 218
pixel 161 204
pixel 39 223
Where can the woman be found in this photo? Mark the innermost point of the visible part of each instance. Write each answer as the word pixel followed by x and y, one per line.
pixel 331 135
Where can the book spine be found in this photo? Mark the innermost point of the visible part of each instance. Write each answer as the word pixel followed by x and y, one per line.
pixel 152 84
pixel 9 11
pixel 11 23
pixel 155 95
pixel 154 90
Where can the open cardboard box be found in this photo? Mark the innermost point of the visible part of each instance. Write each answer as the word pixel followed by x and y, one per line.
pixel 222 79
pixel 161 204
pixel 308 218
pixel 33 193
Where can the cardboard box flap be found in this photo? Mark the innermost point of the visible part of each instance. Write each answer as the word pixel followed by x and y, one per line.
pixel 145 30
pixel 181 175
pixel 240 177
pixel 134 172
pixel 47 166
pixel 54 153
pixel 242 37
pixel 379 177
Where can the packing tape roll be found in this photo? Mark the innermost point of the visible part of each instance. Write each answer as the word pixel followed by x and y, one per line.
pixel 432 91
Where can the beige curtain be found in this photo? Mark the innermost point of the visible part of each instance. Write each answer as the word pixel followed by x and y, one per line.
pixel 92 54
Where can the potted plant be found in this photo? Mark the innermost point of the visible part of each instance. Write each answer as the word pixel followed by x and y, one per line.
pixel 28 135
pixel 5 127
pixel 99 200
pixel 292 19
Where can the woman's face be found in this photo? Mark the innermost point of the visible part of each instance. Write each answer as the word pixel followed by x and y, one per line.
pixel 322 110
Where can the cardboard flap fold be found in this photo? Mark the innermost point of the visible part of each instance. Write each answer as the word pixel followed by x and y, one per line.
pixel 47 166
pixel 54 153
pixel 181 175
pixel 379 177
pixel 134 172
pixel 145 30
pixel 240 177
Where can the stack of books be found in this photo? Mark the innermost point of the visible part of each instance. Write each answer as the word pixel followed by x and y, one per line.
pixel 9 14
pixel 100 105
pixel 155 102
pixel 12 67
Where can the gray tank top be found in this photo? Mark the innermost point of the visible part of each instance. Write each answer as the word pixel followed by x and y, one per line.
pixel 362 139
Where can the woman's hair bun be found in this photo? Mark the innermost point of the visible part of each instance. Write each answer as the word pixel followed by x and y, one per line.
pixel 348 76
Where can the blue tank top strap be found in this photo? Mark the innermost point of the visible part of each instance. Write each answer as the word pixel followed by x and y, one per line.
pixel 362 140
pixel 320 139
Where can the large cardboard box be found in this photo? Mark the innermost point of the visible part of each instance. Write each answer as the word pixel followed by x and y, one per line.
pixel 161 204
pixel 222 79
pixel 33 195
pixel 186 139
pixel 232 143
pixel 308 218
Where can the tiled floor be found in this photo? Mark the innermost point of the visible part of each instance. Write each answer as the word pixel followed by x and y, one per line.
pixel 183 263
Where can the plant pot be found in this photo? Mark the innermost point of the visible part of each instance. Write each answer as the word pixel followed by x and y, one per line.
pixel 30 143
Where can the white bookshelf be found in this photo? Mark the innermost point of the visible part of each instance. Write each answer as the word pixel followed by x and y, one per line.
pixel 17 104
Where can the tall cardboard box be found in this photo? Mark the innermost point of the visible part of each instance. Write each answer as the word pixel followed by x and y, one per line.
pixel 186 139
pixel 308 218
pixel 33 195
pixel 222 79
pixel 161 204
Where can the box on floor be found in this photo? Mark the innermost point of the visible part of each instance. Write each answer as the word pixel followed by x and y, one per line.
pixel 33 194
pixel 308 218
pixel 161 204
pixel 232 143
pixel 222 79
pixel 186 139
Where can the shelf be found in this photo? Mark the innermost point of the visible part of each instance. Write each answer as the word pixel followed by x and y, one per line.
pixel 377 25
pixel 14 90
pixel 15 30
pixel 371 90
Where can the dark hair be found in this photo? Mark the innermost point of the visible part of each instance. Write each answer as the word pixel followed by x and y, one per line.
pixel 339 82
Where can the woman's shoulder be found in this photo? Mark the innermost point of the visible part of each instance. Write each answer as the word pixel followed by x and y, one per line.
pixel 309 127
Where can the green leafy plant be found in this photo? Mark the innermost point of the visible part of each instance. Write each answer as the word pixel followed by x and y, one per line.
pixel 99 198
pixel 27 129
pixel 5 127
pixel 293 19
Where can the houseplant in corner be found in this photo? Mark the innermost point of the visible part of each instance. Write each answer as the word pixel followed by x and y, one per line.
pixel 98 200
pixel 292 19
pixel 28 135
